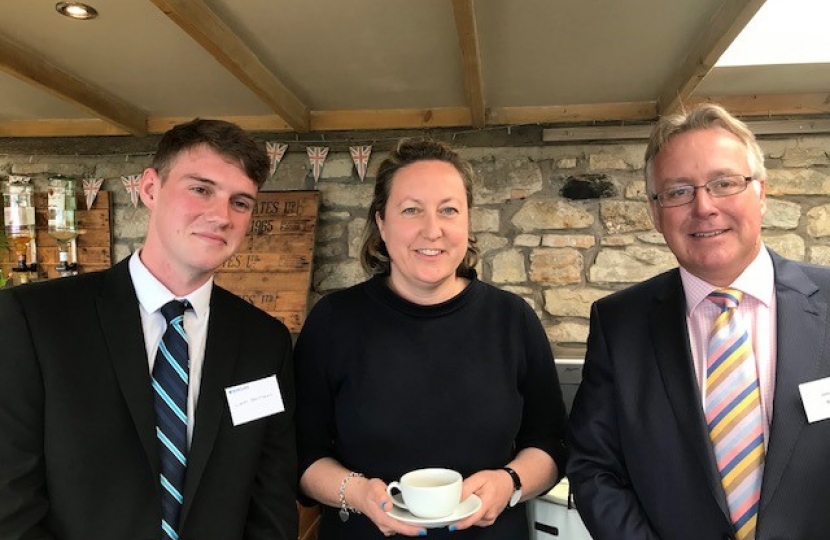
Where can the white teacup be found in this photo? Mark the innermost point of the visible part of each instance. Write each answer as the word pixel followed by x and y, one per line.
pixel 428 493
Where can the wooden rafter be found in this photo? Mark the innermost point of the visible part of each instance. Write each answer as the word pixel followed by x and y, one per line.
pixel 720 32
pixel 39 71
pixel 558 114
pixel 771 104
pixel 197 19
pixel 448 117
pixel 390 119
pixel 465 23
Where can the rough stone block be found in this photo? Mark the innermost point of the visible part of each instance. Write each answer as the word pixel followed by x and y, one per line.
pixel 625 216
pixel 484 219
pixel 820 255
pixel 356 228
pixel 797 182
pixel 489 242
pixel 544 214
pixel 631 265
pixel 497 179
pixel 617 241
pixel 130 223
pixel 330 231
pixel 527 240
pixel 509 267
pixel 337 196
pixel 549 266
pixel 790 246
pixel 781 214
pixel 335 276
pixel 567 332
pixel 818 221
pixel 561 302
pixel 604 162
pixel 580 241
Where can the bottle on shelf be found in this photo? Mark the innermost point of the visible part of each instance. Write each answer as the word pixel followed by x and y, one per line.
pixel 63 226
pixel 19 224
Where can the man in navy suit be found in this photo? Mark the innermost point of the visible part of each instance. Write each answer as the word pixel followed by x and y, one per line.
pixel 643 465
pixel 79 448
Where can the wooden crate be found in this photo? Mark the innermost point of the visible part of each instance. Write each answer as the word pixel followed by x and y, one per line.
pixel 272 269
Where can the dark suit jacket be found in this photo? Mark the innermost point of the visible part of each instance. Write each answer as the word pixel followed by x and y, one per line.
pixel 642 465
pixel 78 450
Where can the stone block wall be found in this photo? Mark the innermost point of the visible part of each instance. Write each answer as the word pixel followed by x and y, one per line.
pixel 561 226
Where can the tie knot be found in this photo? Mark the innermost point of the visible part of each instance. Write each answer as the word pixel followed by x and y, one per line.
pixel 173 309
pixel 726 298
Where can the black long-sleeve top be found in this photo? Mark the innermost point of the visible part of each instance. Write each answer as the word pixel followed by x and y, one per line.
pixel 385 386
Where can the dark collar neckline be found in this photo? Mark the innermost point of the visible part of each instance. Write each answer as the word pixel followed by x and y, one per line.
pixel 378 289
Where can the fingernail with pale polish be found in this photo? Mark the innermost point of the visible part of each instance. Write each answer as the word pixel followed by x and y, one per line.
pixel 383 505
pixel 452 528
pixel 422 532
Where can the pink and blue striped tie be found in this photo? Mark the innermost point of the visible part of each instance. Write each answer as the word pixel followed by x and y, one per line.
pixel 733 413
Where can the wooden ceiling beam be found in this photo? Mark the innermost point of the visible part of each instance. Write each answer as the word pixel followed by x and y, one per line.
pixel 465 24
pixel 770 104
pixel 357 120
pixel 558 114
pixel 202 24
pixel 40 72
pixel 721 30
pixel 248 123
pixel 59 128
pixel 390 119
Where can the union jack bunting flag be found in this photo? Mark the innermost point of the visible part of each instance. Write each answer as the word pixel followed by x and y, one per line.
pixel 275 152
pixel 91 187
pixel 131 184
pixel 317 156
pixel 360 156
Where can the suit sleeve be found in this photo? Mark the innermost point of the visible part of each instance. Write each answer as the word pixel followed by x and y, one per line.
pixel 23 499
pixel 597 472
pixel 273 511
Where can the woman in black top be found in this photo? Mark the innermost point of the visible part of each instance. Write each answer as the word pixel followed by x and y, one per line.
pixel 423 365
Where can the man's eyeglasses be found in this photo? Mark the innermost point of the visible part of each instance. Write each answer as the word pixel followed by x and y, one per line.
pixel 722 186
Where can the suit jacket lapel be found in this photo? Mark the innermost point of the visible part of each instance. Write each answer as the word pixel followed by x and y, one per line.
pixel 670 335
pixel 801 349
pixel 121 323
pixel 221 352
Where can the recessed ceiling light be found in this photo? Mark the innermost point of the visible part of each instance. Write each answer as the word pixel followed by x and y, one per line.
pixel 76 10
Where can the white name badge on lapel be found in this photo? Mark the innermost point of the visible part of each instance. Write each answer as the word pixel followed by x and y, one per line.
pixel 815 395
pixel 254 400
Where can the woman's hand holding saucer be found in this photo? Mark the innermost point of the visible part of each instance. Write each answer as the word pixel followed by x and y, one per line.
pixel 494 488
pixel 371 499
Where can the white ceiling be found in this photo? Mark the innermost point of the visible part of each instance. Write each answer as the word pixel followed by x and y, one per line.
pixel 321 65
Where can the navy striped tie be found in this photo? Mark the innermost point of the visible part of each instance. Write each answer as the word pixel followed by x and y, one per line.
pixel 170 382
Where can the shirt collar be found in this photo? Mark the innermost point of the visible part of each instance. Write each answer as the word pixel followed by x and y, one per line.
pixel 757 280
pixel 152 294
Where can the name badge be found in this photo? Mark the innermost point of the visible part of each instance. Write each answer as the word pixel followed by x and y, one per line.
pixel 254 400
pixel 815 395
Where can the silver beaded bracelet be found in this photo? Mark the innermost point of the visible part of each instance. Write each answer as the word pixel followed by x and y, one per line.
pixel 345 508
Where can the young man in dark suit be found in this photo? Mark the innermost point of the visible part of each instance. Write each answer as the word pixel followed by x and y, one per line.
pixel 117 424
pixel 690 422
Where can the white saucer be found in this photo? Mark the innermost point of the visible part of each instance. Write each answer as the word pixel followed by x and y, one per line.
pixel 468 507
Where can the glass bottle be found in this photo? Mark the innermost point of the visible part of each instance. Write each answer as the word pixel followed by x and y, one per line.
pixel 19 223
pixel 63 227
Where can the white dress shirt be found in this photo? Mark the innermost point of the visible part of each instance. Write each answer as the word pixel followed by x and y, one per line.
pixel 152 295
pixel 757 310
